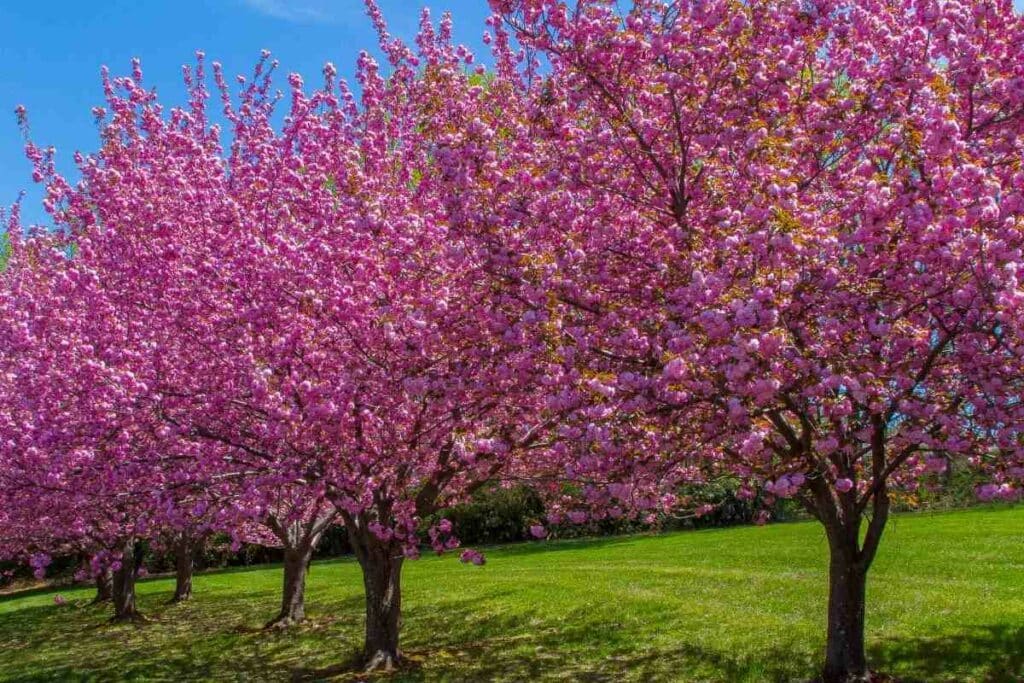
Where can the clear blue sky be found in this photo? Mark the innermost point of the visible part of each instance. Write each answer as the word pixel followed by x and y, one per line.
pixel 51 53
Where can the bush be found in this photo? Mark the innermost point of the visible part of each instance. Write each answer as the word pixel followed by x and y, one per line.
pixel 495 515
pixel 954 489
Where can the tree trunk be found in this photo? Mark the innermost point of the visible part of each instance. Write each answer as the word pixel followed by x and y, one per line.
pixel 845 661
pixel 183 567
pixel 104 587
pixel 124 585
pixel 382 580
pixel 293 598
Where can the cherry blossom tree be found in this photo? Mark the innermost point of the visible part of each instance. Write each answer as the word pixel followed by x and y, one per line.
pixel 87 465
pixel 294 521
pixel 296 313
pixel 60 475
pixel 376 360
pixel 786 235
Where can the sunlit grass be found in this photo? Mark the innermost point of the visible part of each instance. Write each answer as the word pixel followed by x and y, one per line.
pixel 946 603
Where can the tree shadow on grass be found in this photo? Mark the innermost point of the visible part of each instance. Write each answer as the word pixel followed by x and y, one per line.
pixel 467 639
pixel 212 639
pixel 997 651
pixel 473 645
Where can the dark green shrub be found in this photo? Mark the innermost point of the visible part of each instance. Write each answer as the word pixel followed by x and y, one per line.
pixel 495 515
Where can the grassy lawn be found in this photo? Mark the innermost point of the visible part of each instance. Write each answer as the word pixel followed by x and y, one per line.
pixel 946 603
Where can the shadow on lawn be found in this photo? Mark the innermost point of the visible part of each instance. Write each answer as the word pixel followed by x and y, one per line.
pixel 996 650
pixel 475 646
pixel 215 638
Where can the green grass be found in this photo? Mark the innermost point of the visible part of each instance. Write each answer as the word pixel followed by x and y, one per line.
pixel 946 603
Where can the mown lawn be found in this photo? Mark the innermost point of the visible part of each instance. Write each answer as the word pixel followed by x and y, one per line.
pixel 946 603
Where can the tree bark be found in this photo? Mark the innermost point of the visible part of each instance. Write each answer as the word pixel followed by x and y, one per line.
pixel 183 567
pixel 382 580
pixel 845 660
pixel 124 585
pixel 293 597
pixel 104 587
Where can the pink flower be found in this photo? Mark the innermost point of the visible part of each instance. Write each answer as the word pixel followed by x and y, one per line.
pixel 472 556
pixel 537 531
pixel 577 517
pixel 59 600
pixel 674 370
pixel 843 485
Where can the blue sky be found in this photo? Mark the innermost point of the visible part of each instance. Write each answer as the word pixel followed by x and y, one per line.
pixel 51 52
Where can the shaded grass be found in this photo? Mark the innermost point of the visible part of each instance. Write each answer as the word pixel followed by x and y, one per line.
pixel 946 603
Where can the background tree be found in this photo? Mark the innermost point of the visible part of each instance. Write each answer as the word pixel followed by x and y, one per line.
pixel 294 313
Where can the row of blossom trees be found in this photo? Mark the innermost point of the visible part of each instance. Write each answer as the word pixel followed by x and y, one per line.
pixel 776 241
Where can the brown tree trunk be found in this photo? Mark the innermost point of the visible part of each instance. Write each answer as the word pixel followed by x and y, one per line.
pixel 183 567
pixel 293 597
pixel 845 660
pixel 104 587
pixel 849 561
pixel 382 580
pixel 124 585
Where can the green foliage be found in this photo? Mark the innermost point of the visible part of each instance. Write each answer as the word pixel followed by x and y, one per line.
pixel 482 80
pixel 499 515
pixel 952 490
pixel 5 251
pixel 729 508
pixel 742 604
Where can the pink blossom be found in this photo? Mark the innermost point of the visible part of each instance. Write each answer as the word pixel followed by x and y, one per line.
pixel 843 485
pixel 577 516
pixel 473 556
pixel 674 369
